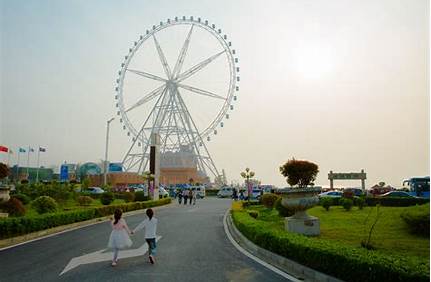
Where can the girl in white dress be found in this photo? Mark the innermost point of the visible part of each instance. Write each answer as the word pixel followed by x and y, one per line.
pixel 119 238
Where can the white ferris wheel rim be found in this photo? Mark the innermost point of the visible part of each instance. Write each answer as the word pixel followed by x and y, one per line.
pixel 233 74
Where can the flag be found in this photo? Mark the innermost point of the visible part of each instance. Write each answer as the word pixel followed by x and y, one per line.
pixel 31 150
pixel 21 150
pixel 10 152
pixel 42 149
pixel 4 149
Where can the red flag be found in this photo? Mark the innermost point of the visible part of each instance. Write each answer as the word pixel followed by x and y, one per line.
pixel 4 149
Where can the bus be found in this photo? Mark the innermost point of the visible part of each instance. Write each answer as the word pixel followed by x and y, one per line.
pixel 418 186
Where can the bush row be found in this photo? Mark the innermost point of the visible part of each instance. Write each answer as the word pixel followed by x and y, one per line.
pixel 418 219
pixel 15 226
pixel 395 202
pixel 343 262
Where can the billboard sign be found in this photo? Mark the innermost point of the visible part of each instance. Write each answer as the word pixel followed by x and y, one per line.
pixel 64 173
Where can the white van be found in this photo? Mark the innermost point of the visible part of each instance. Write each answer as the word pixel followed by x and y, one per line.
pixel 225 192
pixel 200 191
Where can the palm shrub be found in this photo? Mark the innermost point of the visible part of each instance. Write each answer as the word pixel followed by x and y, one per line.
pixel 107 198
pixel 360 202
pixel 44 204
pixel 268 200
pixel 326 203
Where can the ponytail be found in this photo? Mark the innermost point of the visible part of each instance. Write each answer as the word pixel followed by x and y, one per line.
pixel 150 213
pixel 117 215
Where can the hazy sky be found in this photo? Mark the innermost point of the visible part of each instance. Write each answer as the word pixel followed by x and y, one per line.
pixel 344 84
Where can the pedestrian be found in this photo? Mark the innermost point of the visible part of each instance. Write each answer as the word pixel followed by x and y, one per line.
pixel 185 196
pixel 119 238
pixel 241 195
pixel 194 197
pixel 180 196
pixel 235 194
pixel 191 195
pixel 150 225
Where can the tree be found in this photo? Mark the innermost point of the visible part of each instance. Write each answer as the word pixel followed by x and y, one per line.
pixel 4 171
pixel 299 172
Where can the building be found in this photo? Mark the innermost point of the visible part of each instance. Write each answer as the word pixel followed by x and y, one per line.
pixel 31 174
pixel 118 180
pixel 181 175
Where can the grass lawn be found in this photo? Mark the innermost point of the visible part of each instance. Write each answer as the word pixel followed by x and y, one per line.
pixel 390 234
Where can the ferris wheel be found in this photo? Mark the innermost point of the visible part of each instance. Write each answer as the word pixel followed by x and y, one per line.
pixel 178 80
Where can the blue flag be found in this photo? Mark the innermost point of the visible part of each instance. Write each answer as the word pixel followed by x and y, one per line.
pixel 21 150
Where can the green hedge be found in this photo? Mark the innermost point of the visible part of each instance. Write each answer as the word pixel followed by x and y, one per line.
pixel 341 261
pixel 395 202
pixel 418 219
pixel 14 226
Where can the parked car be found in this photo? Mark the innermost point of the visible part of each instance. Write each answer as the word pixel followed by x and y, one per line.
pixel 163 193
pixel 397 194
pixel 356 191
pixel 331 194
pixel 225 192
pixel 95 190
pixel 256 193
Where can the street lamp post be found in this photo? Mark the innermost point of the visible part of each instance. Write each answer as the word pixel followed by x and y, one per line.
pixel 247 174
pixel 106 151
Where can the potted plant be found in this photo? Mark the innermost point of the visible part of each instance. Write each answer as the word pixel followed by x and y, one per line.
pixel 300 196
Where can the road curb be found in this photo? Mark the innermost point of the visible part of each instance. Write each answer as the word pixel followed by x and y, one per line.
pixel 42 234
pixel 300 272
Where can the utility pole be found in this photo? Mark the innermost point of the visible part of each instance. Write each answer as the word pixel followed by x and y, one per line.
pixel 105 165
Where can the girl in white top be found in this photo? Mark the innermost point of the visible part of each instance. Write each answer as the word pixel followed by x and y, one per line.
pixel 119 238
pixel 150 225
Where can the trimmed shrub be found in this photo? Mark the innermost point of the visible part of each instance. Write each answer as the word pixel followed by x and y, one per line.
pixel 107 198
pixel 326 202
pixel 282 211
pixel 129 197
pixel 14 226
pixel 84 200
pixel 395 202
pixel 44 204
pixel 360 202
pixel 268 200
pixel 13 207
pixel 23 198
pixel 418 219
pixel 334 258
pixel 346 203
pixel 140 196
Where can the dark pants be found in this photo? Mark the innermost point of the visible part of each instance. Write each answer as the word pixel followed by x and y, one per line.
pixel 191 198
pixel 179 199
pixel 151 246
pixel 185 200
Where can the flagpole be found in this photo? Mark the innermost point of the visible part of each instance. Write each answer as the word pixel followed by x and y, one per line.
pixel 37 173
pixel 8 157
pixel 17 166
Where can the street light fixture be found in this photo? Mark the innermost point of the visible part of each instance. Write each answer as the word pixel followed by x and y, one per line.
pixel 247 174
pixel 105 165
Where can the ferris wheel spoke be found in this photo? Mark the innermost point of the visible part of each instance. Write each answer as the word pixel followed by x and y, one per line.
pixel 181 57
pixel 162 58
pixel 198 67
pixel 156 92
pixel 201 91
pixel 147 75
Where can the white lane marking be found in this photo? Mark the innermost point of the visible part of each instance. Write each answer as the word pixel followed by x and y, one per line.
pixel 256 259
pixel 99 256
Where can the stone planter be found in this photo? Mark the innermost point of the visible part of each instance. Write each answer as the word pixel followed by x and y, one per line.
pixel 4 192
pixel 299 200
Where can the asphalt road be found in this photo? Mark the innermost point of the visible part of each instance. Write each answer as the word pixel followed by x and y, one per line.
pixel 193 247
